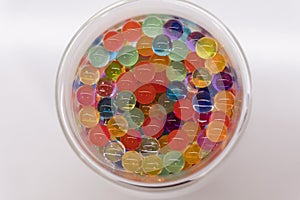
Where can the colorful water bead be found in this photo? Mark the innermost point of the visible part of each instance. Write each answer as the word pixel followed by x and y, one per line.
pixel 179 51
pixel 113 151
pixel 114 70
pixel 98 56
pixel 186 32
pixel 206 47
pixel 173 29
pixel 128 56
pixel 132 139
pixel 89 75
pixel 149 146
pixel 152 26
pixel 216 131
pixel 166 102
pixel 107 107
pixel 144 46
pixel 160 62
pixel 99 135
pixel 152 165
pixel 134 117
pixel 193 61
pixel 178 140
pixel 183 109
pixel 216 64
pixel 162 45
pixel 117 126
pixel 132 161
pixel 176 90
pixel 113 41
pixel 172 122
pixel 153 127
pixel 126 81
pixel 192 129
pixel 205 143
pixel 222 81
pixel 202 77
pixel 89 116
pixel 86 95
pixel 176 71
pixel 144 71
pixel 202 102
pixel 125 100
pixel 173 161
pixel 192 39
pixel 160 82
pixel 191 154
pixel 132 31
pixel 106 87
pixel 145 94
pixel 224 101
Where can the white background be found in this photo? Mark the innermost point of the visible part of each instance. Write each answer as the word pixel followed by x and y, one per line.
pixel 36 161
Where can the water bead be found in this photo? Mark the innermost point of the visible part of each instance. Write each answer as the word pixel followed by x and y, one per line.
pixel 134 117
pixel 99 135
pixel 126 81
pixel 160 62
pixel 152 165
pixel 132 139
pixel 144 72
pixel 152 26
pixel 216 64
pixel 216 131
pixel 132 31
pixel 125 100
pixel 186 32
pixel 132 161
pixel 173 29
pixel 224 101
pixel 220 116
pixel 206 47
pixel 178 140
pixel 113 151
pixel 193 61
pixel 191 154
pixel 179 51
pixel 107 108
pixel 176 90
pixel 183 109
pixel 162 45
pixel 222 81
pixel 114 70
pixel 160 82
pixel 202 77
pixel 153 127
pixel 202 102
pixel 105 87
pixel 173 161
pixel 144 46
pixel 89 117
pixel 128 56
pixel 192 39
pixel 176 71
pixel 145 94
pixel 163 141
pixel 172 122
pixel 117 126
pixel 149 146
pixel 98 56
pixel 158 111
pixel 166 102
pixel 190 85
pixel 86 95
pixel 89 75
pixel 113 41
pixel 201 118
pixel 205 143
pixel 192 129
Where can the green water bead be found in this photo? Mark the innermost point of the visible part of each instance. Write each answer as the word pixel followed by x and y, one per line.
pixel 176 71
pixel 149 146
pixel 135 118
pixel 173 161
pixel 152 26
pixel 128 56
pixel 125 100
pixel 98 56
pixel 114 70
pixel 179 51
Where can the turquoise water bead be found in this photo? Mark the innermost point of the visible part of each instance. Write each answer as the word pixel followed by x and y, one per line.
pixel 152 26
pixel 179 51
pixel 98 56
pixel 176 90
pixel 186 32
pixel 128 56
pixel 176 71
pixel 173 161
pixel 162 45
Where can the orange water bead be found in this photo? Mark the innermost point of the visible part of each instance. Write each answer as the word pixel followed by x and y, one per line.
pixel 220 116
pixel 216 131
pixel 144 46
pixel 224 101
pixel 89 117
pixel 132 31
pixel 191 154
pixel 113 41
pixel 216 64
pixel 193 61
pixel 160 62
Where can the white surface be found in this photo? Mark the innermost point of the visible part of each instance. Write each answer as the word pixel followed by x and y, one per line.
pixel 36 160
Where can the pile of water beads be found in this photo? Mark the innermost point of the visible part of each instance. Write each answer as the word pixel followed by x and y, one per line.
pixel 155 95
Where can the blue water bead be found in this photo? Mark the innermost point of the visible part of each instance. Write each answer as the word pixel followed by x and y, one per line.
pixel 162 45
pixel 176 90
pixel 173 28
pixel 107 108
pixel 186 32
pixel 202 102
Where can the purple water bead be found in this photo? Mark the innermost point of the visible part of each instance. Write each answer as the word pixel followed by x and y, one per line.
pixel 173 28
pixel 192 40
pixel 222 81
pixel 172 122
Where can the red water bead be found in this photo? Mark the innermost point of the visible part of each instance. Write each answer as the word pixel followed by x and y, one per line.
pixel 132 139
pixel 193 61
pixel 153 127
pixel 183 109
pixel 86 95
pixel 145 94
pixel 99 135
pixel 178 140
pixel 202 118
pixel 113 41
pixel 144 72
pixel 160 82
pixel 219 116
pixel 105 87
pixel 126 81
pixel 132 31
